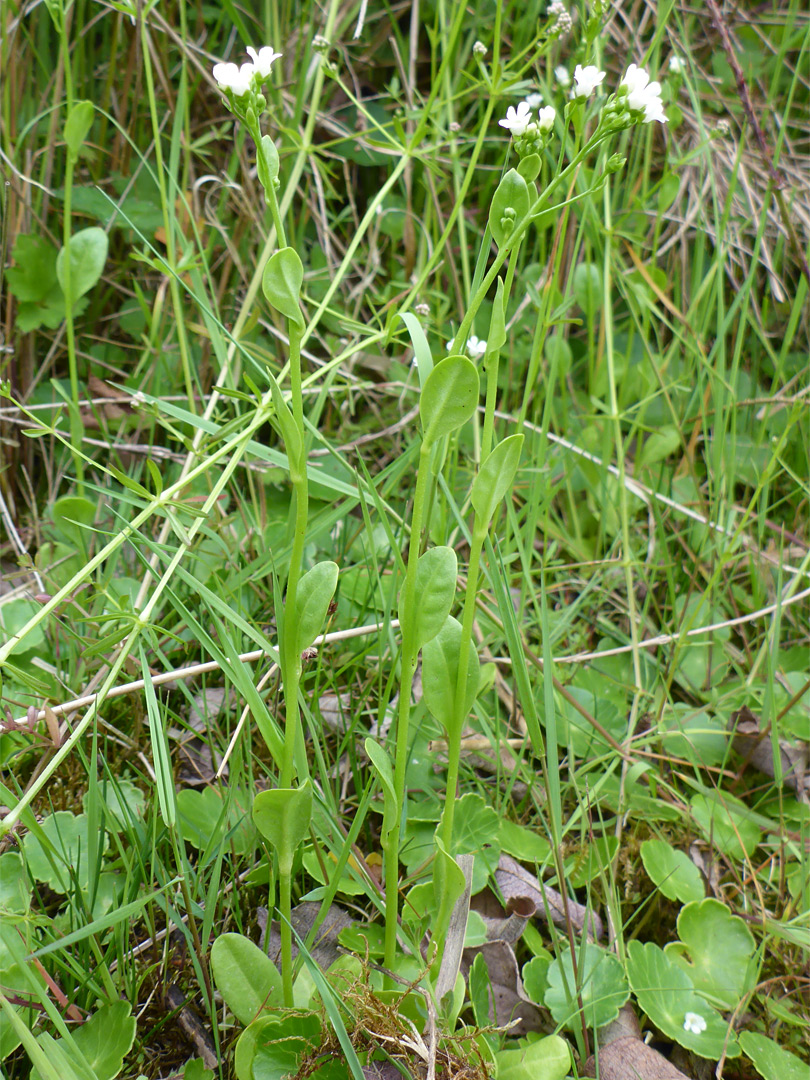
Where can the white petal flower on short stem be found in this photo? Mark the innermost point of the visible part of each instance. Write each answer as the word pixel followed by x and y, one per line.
pixel 695 1023
pixel 263 60
pixel 517 119
pixel 546 117
pixel 233 78
pixel 643 95
pixel 677 65
pixel 562 75
pixel 586 80
pixel 534 100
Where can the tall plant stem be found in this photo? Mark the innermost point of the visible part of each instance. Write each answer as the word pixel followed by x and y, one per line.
pixel 454 733
pixel 285 907
pixel 60 17
pixel 408 666
pixel 76 426
pixel 290 654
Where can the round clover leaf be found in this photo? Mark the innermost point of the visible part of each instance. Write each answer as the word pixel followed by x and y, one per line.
pixel 665 993
pixel 715 951
pixel 600 985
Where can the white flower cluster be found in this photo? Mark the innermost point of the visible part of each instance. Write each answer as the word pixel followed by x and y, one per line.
pixel 519 120
pixel 636 95
pixel 240 79
pixel 562 18
pixel 643 95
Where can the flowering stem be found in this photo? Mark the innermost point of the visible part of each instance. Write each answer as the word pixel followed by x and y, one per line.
pixel 291 659
pixel 290 656
pixel 466 323
pixel 455 731
pixel 408 668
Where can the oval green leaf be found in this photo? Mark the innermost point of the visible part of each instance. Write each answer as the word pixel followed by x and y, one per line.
pixel 88 253
pixel 77 126
pixel 510 204
pixel 269 158
pixel 282 816
pixel 449 397
pixel 546 1059
pixel 672 871
pixel 105 1039
pixel 440 674
pixel 529 167
pixel 245 976
pixel 495 477
pixel 315 590
pixel 281 283
pixel 772 1061
pixel 436 573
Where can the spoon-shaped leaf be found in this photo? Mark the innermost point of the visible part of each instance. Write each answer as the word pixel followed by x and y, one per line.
pixel 449 397
pixel 496 476
pixel 435 588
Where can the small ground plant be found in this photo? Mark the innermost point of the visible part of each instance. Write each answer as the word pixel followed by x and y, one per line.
pixel 405 645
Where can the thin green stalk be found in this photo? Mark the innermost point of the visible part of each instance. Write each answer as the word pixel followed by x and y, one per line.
pixel 466 324
pixel 76 426
pixel 291 659
pixel 408 668
pixel 454 734
pixel 285 908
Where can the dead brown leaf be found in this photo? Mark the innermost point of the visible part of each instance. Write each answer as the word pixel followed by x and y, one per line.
pixel 516 881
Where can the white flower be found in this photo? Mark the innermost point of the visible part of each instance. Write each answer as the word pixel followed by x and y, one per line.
pixel 236 79
pixel 263 60
pixel 562 76
pixel 479 48
pixel 475 346
pixel 695 1023
pixel 534 100
pixel 677 64
pixel 545 118
pixel 643 95
pixel 517 119
pixel 586 80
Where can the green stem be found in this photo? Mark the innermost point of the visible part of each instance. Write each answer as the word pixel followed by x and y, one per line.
pixel 408 668
pixel 76 426
pixel 454 732
pixel 516 238
pixel 289 654
pixel 285 908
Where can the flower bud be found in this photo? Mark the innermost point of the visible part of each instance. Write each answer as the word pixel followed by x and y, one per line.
pixel 615 163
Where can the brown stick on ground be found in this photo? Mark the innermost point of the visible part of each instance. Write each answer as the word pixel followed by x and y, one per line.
pixel 778 178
